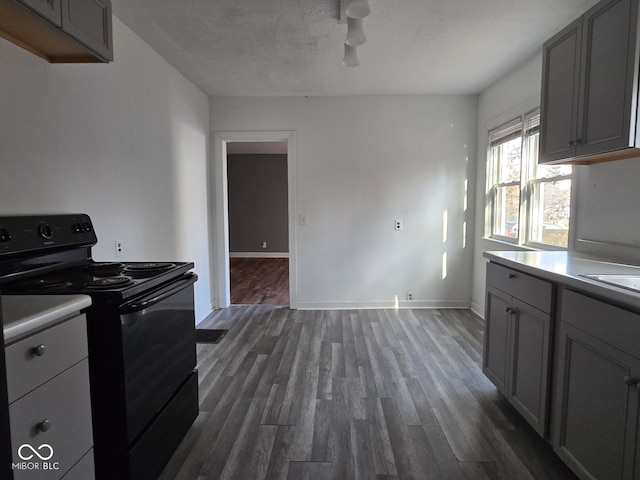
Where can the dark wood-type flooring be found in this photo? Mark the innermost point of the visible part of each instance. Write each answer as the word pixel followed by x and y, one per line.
pixel 369 394
pixel 259 281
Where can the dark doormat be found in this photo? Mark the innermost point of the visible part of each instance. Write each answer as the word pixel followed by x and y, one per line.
pixel 208 335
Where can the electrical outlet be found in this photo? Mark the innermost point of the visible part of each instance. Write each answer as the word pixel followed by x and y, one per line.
pixel 409 295
pixel 398 225
pixel 119 247
pixel 264 244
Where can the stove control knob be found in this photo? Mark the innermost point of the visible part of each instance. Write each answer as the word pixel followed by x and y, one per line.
pixel 76 228
pixel 4 235
pixel 45 231
pixel 87 227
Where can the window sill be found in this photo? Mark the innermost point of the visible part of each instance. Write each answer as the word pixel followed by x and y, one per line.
pixel 530 248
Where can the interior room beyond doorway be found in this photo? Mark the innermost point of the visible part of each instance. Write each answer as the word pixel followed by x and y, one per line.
pixel 258 222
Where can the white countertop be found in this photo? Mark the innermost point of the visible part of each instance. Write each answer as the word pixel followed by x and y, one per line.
pixel 23 315
pixel 567 268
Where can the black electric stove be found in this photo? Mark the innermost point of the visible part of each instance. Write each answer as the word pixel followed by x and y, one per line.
pixel 141 337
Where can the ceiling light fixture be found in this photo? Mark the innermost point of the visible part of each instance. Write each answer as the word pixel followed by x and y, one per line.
pixel 358 9
pixel 350 56
pixel 355 32
pixel 352 12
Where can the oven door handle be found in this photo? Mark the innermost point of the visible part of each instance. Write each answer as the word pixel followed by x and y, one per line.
pixel 159 295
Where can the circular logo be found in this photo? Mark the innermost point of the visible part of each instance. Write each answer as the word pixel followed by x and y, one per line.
pixel 43 452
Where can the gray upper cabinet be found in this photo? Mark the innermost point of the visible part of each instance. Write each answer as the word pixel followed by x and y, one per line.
pixel 89 21
pixel 589 87
pixel 559 105
pixel 49 9
pixel 60 31
pixel 597 395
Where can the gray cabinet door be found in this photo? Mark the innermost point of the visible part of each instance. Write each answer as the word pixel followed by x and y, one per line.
pixel 49 9
pixel 597 410
pixel 560 86
pixel 89 22
pixel 529 385
pixel 607 77
pixel 495 363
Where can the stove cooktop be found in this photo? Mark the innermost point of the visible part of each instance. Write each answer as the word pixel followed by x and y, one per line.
pixel 102 279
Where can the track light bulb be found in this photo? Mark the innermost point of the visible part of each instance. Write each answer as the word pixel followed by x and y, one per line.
pixel 350 56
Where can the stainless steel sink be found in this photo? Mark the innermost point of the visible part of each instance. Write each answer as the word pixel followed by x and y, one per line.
pixel 630 282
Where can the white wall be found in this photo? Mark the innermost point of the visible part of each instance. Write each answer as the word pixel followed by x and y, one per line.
pixel 125 142
pixel 607 217
pixel 361 163
pixel 606 197
pixel 511 96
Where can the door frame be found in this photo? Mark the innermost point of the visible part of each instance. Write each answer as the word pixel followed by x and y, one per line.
pixel 221 207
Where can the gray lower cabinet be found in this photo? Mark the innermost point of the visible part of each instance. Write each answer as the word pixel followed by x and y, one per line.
pixel 517 342
pixel 596 403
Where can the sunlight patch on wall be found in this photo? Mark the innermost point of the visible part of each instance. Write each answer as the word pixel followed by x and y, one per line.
pixel 445 228
pixel 465 196
pixel 444 265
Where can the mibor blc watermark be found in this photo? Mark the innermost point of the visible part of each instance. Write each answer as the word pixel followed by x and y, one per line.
pixel 35 458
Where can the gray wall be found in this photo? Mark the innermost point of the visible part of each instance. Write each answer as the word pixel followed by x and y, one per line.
pixel 257 202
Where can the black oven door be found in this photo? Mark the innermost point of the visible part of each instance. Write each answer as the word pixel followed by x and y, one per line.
pixel 158 349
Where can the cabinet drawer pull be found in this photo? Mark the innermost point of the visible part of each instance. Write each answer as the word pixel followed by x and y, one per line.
pixel 511 275
pixel 44 425
pixel 631 381
pixel 507 309
pixel 40 350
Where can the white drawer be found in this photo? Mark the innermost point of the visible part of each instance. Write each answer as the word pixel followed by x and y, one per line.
pixel 61 347
pixel 64 401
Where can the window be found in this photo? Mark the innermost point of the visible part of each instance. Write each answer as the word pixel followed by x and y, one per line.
pixel 527 203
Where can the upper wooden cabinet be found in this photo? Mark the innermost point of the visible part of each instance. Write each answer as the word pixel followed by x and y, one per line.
pixel 589 102
pixel 60 31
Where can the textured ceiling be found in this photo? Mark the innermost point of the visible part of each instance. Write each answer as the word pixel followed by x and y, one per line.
pixel 295 47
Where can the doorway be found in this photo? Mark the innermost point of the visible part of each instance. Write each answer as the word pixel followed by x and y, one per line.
pixel 221 267
pixel 258 223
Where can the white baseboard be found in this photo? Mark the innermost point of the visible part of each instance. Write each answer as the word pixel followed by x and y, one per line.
pixel 212 308
pixel 259 254
pixel 477 309
pixel 384 304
